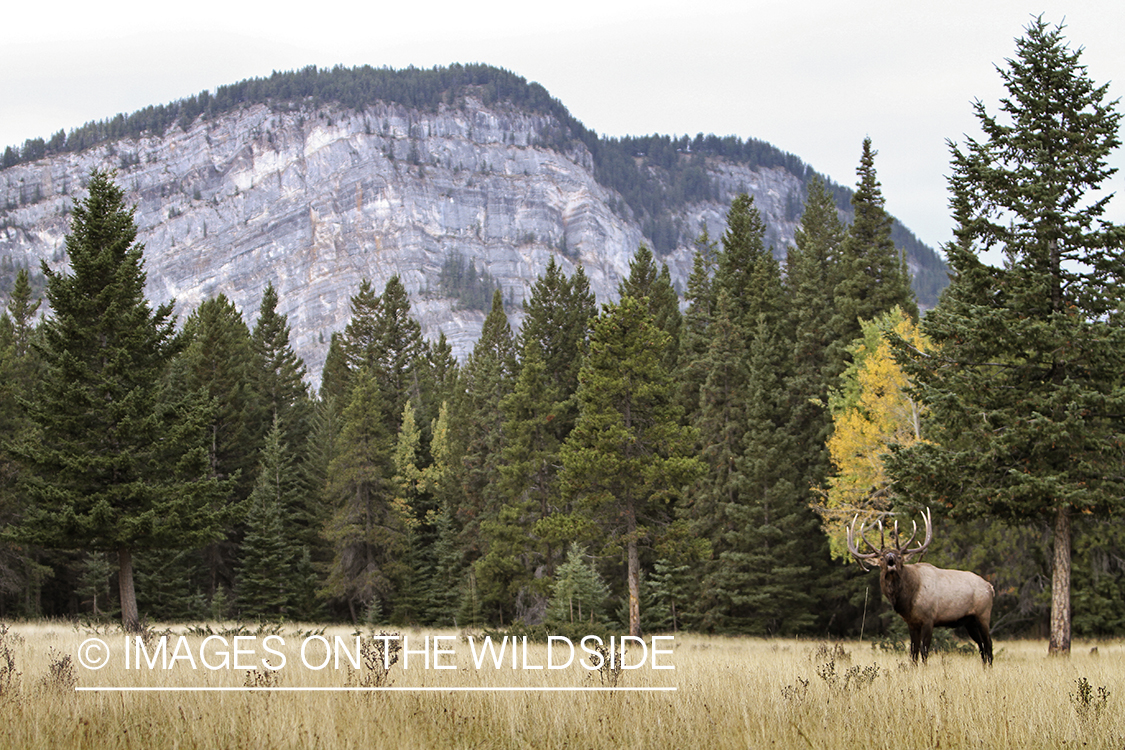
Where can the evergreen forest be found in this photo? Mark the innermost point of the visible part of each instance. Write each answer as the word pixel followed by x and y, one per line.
pixel 654 464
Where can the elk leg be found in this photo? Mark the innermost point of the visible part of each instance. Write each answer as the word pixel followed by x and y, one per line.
pixel 915 642
pixel 985 644
pixel 927 638
pixel 979 633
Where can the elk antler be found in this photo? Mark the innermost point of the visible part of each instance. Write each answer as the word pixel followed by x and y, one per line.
pixel 861 557
pixel 920 549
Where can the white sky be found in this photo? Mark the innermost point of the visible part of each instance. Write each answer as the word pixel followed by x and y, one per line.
pixel 812 78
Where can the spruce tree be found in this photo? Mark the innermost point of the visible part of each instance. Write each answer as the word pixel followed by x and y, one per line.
pixel 628 456
pixel 217 362
pixel 874 278
pixel 579 593
pixel 367 531
pixel 695 337
pixel 19 367
pixel 117 465
pixel 812 272
pixel 280 373
pixel 268 586
pixel 646 282
pixel 1025 391
pixel 488 377
pixel 398 350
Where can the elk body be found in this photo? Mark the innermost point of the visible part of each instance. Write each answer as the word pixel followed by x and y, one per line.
pixel 927 597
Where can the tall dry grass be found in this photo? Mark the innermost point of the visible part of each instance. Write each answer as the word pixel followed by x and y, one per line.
pixel 731 692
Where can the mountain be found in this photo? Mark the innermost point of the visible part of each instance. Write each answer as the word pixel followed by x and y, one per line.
pixel 316 179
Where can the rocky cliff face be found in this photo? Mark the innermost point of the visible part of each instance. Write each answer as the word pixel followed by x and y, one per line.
pixel 314 201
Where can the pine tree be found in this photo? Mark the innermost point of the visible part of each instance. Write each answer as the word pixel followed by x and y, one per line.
pixel 874 278
pixel 812 270
pixel 628 455
pixel 117 465
pixel 579 593
pixel 280 374
pixel 488 376
pixel 268 586
pixel 557 324
pixel 645 282
pixel 334 379
pixel 399 349
pixel 743 250
pixel 367 531
pixel 695 337
pixel 1026 394
pixel 217 363
pixel 19 370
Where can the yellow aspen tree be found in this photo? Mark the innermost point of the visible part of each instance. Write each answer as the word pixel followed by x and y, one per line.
pixel 870 413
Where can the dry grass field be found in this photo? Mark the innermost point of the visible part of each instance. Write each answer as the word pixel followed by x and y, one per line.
pixel 730 692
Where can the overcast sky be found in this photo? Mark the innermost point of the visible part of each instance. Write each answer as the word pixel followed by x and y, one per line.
pixel 812 78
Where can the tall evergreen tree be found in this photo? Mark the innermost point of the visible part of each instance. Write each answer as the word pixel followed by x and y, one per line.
pixel 19 368
pixel 268 586
pixel 217 362
pixel 628 456
pixel 812 272
pixel 1025 390
pixel 695 338
pixel 399 350
pixel 334 379
pixel 646 282
pixel 488 377
pixel 874 278
pixel 280 373
pixel 743 250
pixel 557 323
pixel 367 530
pixel 117 465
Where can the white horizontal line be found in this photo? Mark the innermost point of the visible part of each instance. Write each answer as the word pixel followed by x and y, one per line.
pixel 375 689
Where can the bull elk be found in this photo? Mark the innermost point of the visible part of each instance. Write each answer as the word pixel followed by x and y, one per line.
pixel 927 597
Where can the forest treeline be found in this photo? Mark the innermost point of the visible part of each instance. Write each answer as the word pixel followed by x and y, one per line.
pixel 627 466
pixel 655 175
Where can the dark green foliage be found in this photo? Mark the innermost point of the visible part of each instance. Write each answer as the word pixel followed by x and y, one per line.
pixel 557 325
pixel 268 583
pixel 655 287
pixel 483 515
pixel 1026 396
pixel 367 531
pixel 19 370
pixel 628 457
pixel 472 288
pixel 695 337
pixel 280 373
pixel 119 462
pixel 383 338
pixel 218 363
pixel 812 273
pixel 873 278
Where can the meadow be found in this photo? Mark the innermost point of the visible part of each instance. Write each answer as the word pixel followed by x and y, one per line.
pixel 729 692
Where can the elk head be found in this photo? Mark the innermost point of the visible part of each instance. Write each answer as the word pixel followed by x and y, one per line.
pixel 889 559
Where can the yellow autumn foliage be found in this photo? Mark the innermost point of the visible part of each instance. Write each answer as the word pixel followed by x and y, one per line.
pixel 871 413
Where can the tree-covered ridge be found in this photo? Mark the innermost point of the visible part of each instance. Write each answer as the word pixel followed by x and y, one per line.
pixel 654 174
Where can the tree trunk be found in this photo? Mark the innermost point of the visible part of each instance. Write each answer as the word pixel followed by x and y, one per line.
pixel 1060 586
pixel 634 573
pixel 130 619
